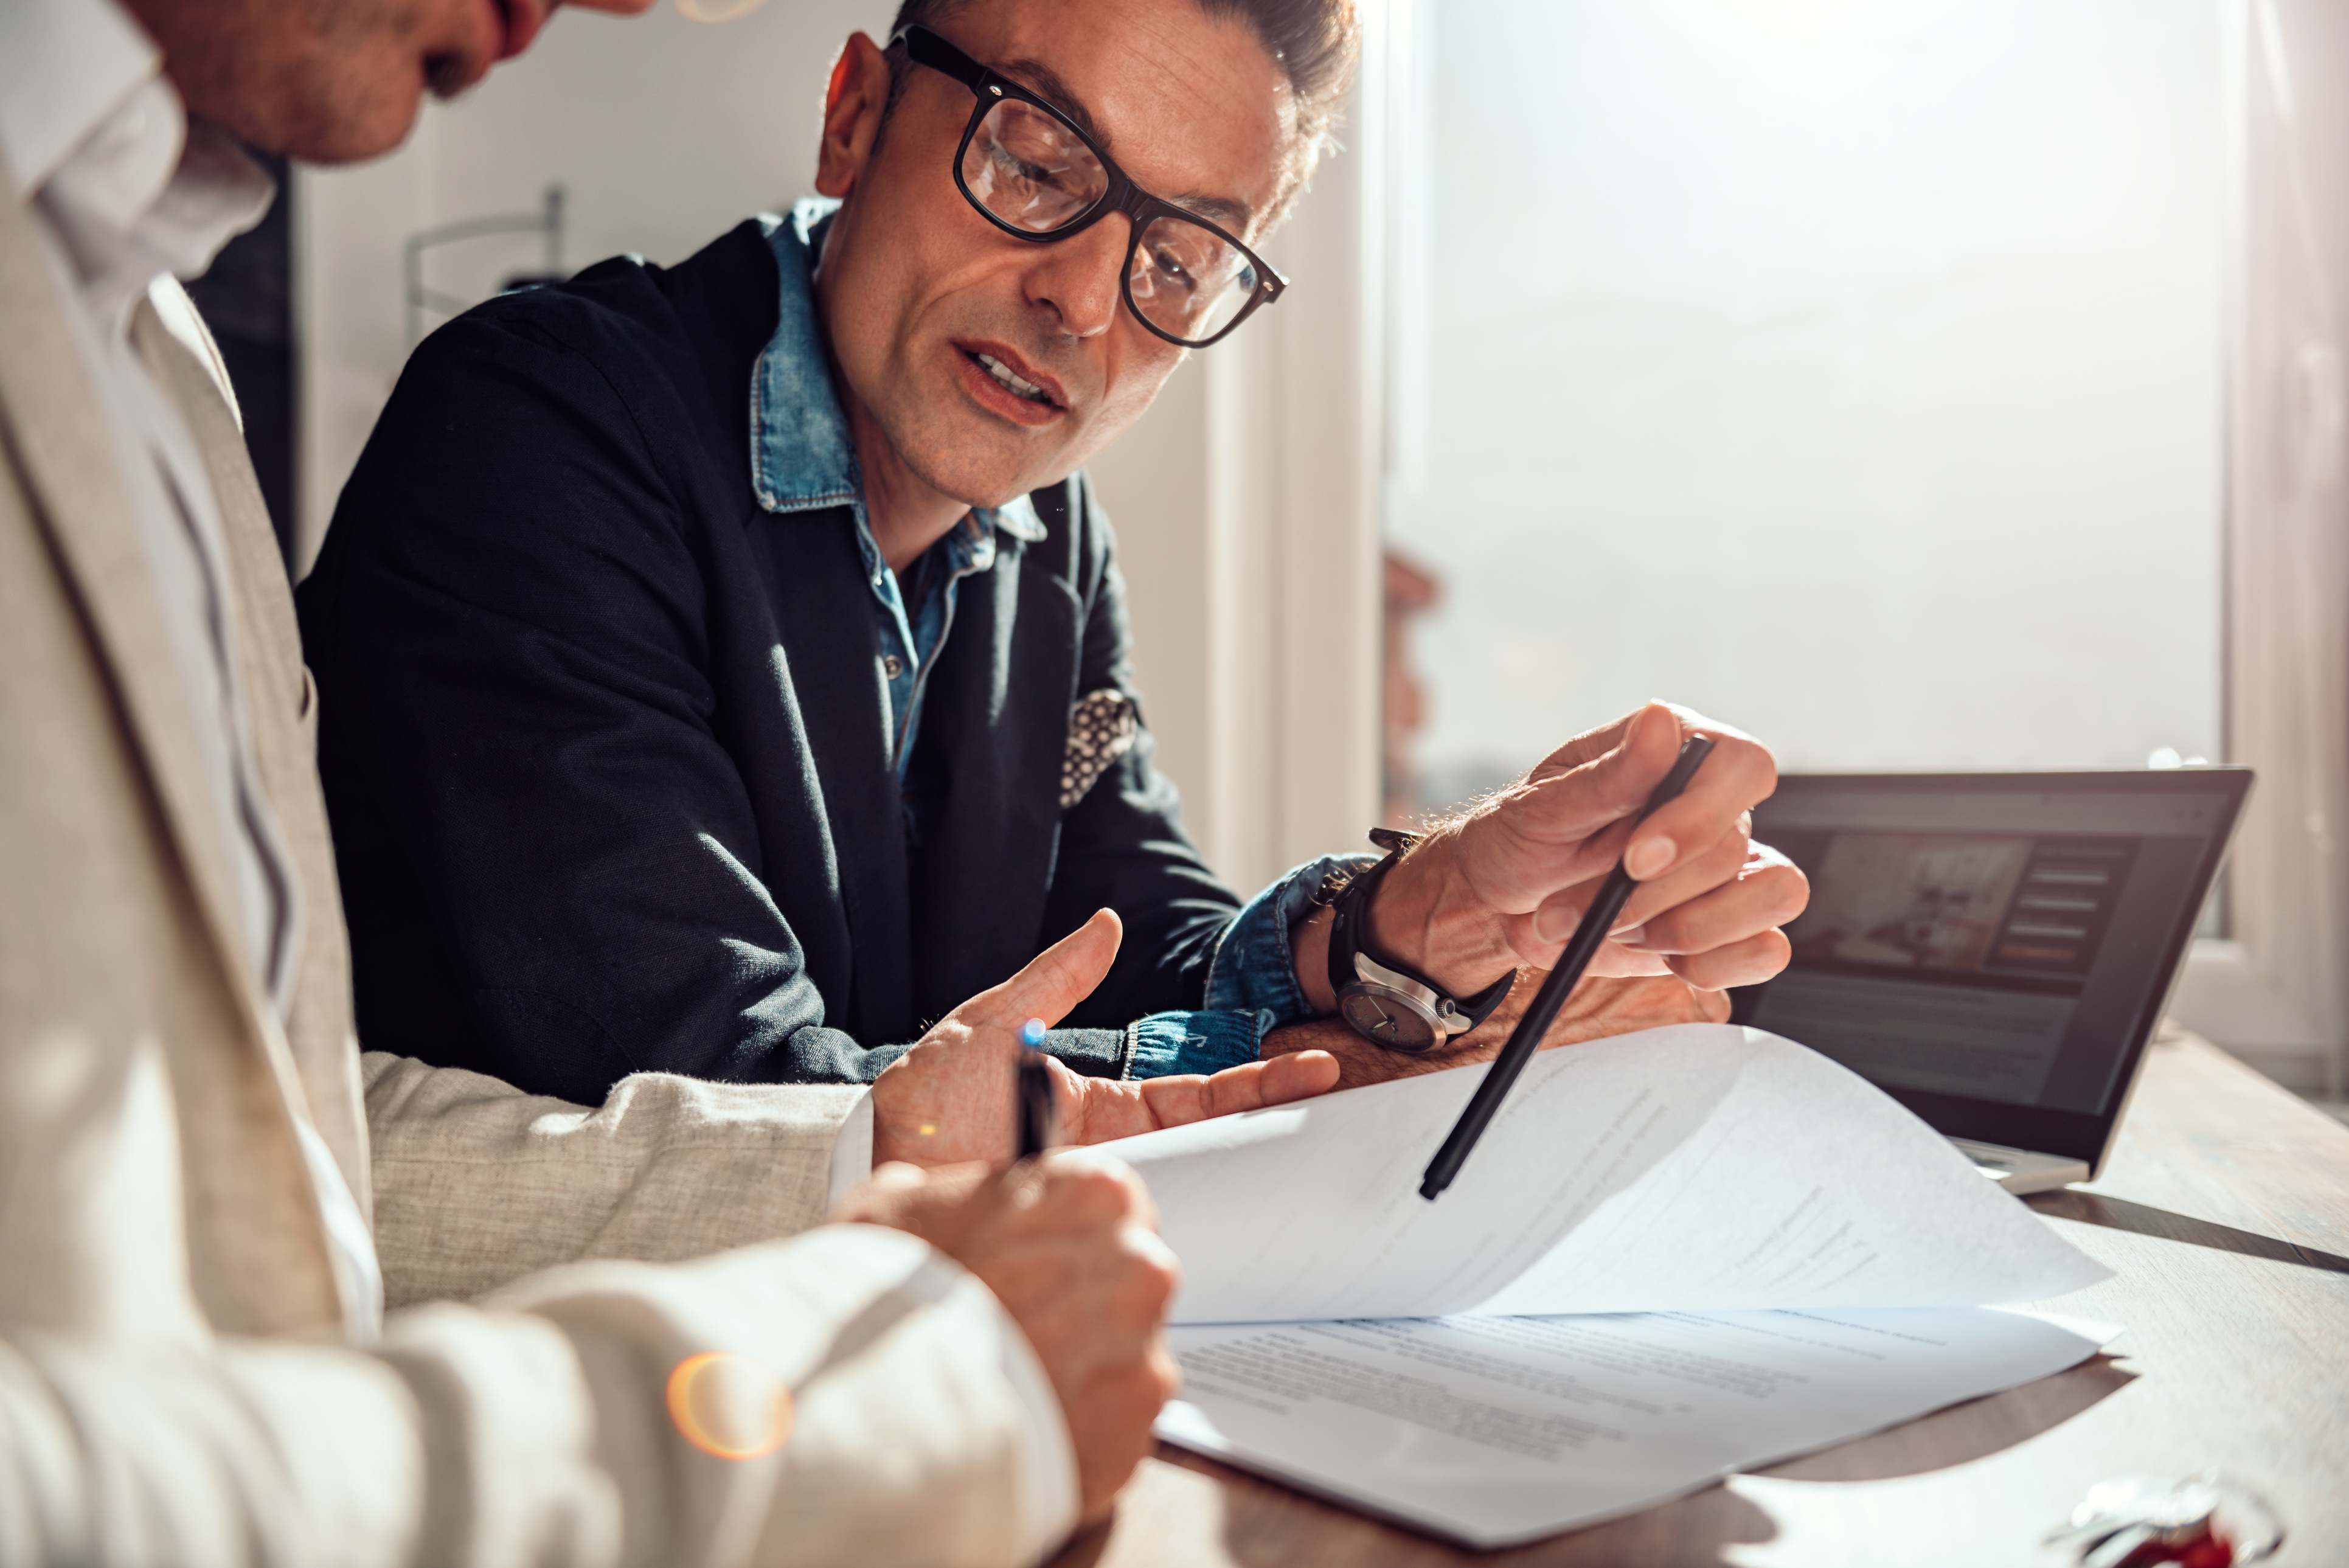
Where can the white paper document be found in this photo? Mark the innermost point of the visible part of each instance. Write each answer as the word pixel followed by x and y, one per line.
pixel 1762 1253
pixel 1495 1430
pixel 1703 1167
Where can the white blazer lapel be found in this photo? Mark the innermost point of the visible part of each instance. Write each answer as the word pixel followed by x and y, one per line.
pixel 61 447
pixel 178 347
pixel 56 433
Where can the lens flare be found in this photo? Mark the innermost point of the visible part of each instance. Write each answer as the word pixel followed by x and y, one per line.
pixel 715 10
pixel 729 1406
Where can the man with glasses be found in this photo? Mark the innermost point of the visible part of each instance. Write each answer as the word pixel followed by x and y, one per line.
pixel 725 669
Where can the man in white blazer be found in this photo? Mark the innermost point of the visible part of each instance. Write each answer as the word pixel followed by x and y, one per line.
pixel 207 1196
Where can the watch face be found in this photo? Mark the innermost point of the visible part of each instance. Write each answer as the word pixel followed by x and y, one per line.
pixel 1387 1018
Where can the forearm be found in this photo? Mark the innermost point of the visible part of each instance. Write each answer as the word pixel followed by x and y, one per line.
pixel 1424 916
pixel 538 1433
pixel 477 1183
pixel 1259 965
pixel 124 1452
pixel 923 1428
pixel 1274 956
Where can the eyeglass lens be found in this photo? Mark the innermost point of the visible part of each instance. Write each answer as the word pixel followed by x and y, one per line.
pixel 1028 171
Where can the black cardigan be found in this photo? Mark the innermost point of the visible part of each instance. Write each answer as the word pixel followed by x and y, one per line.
pixel 604 743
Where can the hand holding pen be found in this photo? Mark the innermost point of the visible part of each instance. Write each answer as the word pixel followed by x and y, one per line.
pixel 956 1096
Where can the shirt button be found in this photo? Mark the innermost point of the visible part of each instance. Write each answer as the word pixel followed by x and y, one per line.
pixel 892 665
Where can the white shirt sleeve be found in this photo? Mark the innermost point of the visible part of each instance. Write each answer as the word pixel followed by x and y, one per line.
pixel 1049 1496
pixel 1048 1499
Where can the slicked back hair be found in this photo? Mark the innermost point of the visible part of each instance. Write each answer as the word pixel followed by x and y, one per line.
pixel 1315 41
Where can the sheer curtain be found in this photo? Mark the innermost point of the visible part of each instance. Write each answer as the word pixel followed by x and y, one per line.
pixel 2288 594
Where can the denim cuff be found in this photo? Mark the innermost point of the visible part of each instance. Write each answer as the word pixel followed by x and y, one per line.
pixel 1205 1042
pixel 1255 968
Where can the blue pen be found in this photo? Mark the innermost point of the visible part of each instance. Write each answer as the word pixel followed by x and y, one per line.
pixel 1032 1088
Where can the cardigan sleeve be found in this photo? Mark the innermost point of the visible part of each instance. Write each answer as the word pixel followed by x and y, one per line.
pixel 550 859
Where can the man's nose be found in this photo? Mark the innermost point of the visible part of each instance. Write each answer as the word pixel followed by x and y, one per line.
pixel 1078 277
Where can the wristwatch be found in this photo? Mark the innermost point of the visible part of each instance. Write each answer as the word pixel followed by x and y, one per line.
pixel 1385 1002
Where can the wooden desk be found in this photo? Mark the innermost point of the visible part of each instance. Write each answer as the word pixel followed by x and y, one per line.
pixel 2224 1215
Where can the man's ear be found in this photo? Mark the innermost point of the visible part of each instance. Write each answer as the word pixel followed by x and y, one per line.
pixel 852 107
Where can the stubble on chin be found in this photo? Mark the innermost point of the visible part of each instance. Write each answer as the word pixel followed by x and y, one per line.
pixel 935 432
pixel 976 459
pixel 327 81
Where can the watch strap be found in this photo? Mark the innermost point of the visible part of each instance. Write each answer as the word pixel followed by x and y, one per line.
pixel 1479 1007
pixel 1350 911
pixel 1349 935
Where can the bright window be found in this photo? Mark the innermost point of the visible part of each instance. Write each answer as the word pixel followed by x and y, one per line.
pixel 1849 368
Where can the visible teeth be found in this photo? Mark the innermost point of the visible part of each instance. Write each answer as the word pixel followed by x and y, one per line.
pixel 1002 372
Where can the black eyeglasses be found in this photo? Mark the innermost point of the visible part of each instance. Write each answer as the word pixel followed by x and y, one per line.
pixel 1033 174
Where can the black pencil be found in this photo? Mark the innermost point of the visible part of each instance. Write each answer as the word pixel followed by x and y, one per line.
pixel 1580 948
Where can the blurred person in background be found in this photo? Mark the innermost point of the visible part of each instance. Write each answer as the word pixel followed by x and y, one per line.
pixel 206 1196
pixel 726 668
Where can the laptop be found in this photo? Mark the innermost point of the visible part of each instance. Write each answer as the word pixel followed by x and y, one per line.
pixel 1993 950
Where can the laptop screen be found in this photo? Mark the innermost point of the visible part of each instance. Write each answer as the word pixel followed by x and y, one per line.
pixel 1993 949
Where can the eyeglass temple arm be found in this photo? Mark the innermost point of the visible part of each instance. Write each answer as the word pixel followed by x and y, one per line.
pixel 924 47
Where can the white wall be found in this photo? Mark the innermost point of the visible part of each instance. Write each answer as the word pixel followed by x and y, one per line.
pixel 664 131
pixel 1248 510
pixel 1243 503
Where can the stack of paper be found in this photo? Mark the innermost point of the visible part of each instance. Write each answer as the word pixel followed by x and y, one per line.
pixel 1807 1260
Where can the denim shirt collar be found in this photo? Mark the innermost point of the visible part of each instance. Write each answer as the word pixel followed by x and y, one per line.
pixel 801 459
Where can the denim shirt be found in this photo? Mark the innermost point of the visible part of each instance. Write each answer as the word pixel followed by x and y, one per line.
pixel 802 459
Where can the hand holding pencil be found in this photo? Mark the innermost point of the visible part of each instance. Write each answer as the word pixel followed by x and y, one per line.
pixel 1501 887
pixel 1508 883
pixel 1600 918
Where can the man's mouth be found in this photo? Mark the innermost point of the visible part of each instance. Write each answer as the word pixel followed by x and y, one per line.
pixel 1010 379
